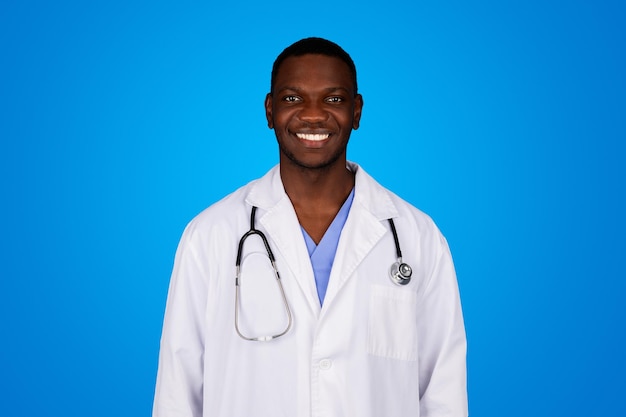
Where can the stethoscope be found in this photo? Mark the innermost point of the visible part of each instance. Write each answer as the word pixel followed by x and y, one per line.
pixel 400 274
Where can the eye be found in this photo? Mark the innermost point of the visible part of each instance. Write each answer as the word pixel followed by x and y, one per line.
pixel 334 99
pixel 291 99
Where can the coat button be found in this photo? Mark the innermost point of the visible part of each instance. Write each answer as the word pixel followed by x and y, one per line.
pixel 325 364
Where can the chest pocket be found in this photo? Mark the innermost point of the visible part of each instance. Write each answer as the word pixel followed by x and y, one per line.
pixel 392 326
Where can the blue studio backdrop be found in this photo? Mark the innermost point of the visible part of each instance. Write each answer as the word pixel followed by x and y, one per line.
pixel 121 120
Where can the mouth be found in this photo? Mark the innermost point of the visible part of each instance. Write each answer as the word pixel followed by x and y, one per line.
pixel 313 137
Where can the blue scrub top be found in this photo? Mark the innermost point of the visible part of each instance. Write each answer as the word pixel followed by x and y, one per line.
pixel 323 255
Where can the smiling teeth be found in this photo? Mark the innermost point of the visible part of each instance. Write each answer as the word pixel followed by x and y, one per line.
pixel 312 136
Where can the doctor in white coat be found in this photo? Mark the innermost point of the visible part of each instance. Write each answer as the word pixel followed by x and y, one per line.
pixel 352 341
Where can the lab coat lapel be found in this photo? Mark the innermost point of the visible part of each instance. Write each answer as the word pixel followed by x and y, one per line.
pixel 359 235
pixel 283 230
pixel 363 229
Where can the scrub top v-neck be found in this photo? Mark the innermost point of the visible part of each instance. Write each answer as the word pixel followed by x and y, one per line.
pixel 323 254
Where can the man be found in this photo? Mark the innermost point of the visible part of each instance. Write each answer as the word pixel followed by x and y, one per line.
pixel 338 334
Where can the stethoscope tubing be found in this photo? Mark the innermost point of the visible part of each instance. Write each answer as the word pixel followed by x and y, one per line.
pixel 270 254
pixel 400 274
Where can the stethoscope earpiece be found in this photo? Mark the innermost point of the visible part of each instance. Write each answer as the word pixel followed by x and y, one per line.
pixel 400 273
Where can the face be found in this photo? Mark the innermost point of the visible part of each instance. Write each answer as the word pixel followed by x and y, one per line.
pixel 313 110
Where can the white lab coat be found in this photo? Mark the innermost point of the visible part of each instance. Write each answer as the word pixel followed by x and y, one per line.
pixel 375 349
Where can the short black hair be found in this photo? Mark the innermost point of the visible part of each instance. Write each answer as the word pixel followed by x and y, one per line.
pixel 318 46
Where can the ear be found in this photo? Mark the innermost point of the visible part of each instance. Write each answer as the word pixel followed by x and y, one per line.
pixel 268 110
pixel 356 115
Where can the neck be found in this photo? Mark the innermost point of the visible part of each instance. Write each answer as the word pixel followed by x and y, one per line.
pixel 328 186
pixel 317 194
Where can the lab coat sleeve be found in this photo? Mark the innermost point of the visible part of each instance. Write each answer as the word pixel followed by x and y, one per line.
pixel 179 384
pixel 443 385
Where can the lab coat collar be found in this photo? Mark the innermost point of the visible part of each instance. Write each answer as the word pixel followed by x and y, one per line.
pixel 268 192
pixel 371 195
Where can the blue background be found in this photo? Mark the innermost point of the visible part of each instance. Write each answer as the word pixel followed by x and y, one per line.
pixel 120 121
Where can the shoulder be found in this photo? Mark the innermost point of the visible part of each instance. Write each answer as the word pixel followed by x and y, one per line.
pixel 240 200
pixel 222 209
pixel 385 204
pixel 420 226
pixel 225 216
pixel 412 214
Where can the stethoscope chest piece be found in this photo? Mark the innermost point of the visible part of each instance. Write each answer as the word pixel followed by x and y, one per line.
pixel 400 273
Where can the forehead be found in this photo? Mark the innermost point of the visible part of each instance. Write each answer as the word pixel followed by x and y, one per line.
pixel 313 70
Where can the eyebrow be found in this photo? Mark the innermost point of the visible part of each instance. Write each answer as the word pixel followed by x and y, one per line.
pixel 326 90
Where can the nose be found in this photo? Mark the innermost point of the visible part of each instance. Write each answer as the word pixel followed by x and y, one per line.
pixel 313 112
